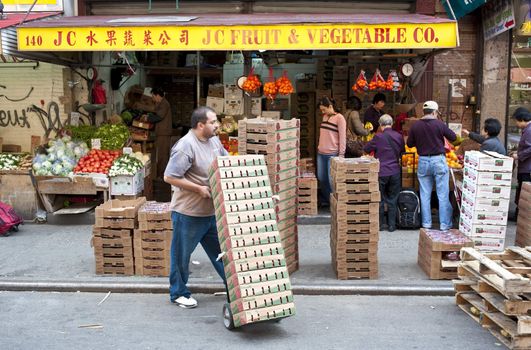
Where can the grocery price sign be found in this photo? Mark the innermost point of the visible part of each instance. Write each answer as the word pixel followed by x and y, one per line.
pixel 245 37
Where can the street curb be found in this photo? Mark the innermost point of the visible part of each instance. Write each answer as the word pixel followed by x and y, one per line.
pixel 210 288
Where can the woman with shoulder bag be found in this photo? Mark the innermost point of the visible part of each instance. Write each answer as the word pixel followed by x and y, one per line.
pixel 355 129
pixel 332 140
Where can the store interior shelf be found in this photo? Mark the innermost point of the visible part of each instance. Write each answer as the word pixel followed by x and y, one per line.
pixel 191 71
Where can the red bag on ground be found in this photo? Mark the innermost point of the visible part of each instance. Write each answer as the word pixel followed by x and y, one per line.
pixel 9 220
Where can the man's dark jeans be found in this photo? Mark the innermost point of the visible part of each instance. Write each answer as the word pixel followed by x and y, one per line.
pixel 389 190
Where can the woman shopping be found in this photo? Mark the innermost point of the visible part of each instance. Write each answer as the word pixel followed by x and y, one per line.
pixel 332 143
pixel 355 128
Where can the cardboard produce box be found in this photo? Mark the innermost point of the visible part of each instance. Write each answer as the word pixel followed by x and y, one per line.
pixel 216 103
pixel 232 92
pixel 488 177
pixel 479 230
pixel 117 208
pixel 486 191
pixel 216 90
pixel 488 161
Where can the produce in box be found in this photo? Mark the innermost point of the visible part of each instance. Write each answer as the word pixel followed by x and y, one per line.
pixel 60 158
pixel 125 165
pixel 112 136
pixel 97 161
pixel 9 161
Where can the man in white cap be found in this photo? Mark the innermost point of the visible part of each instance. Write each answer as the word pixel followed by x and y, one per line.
pixel 428 136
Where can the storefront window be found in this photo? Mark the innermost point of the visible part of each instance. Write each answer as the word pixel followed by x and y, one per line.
pixel 520 84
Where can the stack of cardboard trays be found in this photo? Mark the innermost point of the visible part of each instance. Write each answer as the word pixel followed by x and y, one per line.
pixel 278 141
pixel 152 240
pixel 523 226
pixel 254 259
pixel 307 194
pixel 354 206
pixel 113 236
pixel 486 191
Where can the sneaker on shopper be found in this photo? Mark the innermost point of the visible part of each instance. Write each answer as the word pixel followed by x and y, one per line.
pixel 184 302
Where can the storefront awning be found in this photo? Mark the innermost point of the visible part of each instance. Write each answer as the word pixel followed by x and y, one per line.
pixel 239 32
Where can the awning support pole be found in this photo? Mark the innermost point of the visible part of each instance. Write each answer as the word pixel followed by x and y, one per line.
pixel 247 100
pixel 149 5
pixel 198 76
pixel 451 9
pixel 27 13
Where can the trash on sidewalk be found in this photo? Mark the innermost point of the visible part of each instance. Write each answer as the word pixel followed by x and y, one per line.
pixel 91 326
pixel 105 298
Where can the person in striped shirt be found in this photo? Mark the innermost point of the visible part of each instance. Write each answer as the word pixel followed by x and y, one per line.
pixel 332 143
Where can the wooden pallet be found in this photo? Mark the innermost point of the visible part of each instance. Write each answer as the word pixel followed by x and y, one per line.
pixel 514 332
pixel 507 271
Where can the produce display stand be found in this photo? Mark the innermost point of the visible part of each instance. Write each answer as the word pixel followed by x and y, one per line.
pixel 17 190
pixel 54 190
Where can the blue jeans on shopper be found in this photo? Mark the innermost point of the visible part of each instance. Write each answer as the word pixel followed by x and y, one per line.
pixel 188 231
pixel 434 169
pixel 324 177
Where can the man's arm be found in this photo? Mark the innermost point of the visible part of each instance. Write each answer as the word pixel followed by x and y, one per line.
pixel 476 137
pixel 449 134
pixel 203 191
pixel 370 146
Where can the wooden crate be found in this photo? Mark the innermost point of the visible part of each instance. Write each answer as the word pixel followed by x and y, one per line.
pixel 432 249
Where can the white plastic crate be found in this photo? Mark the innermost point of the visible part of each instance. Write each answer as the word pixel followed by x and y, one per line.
pixel 127 185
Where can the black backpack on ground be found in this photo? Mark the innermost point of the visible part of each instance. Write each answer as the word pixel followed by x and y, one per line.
pixel 408 209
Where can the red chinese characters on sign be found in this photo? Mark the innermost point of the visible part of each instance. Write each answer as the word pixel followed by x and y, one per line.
pixel 128 38
pixel 111 37
pixel 147 38
pixel 184 37
pixel 164 38
pixel 91 38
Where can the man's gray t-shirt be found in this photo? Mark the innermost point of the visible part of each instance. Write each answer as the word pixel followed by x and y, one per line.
pixel 190 159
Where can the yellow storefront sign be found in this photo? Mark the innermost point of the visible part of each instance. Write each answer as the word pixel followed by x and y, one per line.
pixel 29 2
pixel 270 37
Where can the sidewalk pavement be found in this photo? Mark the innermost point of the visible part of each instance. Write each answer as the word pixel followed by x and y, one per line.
pixel 58 257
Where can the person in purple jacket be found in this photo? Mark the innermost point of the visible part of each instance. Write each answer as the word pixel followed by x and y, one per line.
pixel 428 136
pixel 388 146
pixel 523 155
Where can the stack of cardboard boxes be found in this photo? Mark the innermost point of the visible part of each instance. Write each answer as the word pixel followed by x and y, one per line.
pixel 354 206
pixel 340 87
pixel 303 106
pixel 307 194
pixel 152 240
pixel 228 99
pixel 278 140
pixel 523 226
pixel 487 180
pixel 254 259
pixel 113 236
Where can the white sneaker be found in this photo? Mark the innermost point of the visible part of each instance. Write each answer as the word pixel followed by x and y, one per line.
pixel 184 302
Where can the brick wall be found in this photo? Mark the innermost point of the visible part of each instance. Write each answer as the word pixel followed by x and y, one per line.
pixel 46 83
pixel 458 64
